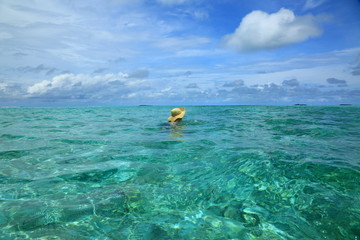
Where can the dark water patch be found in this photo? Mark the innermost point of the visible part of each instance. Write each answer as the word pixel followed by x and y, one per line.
pixel 42 127
pixel 340 179
pixel 330 219
pixel 10 180
pixel 10 136
pixel 72 160
pixel 153 174
pixel 206 142
pixel 159 144
pixel 150 231
pixel 56 131
pixel 151 130
pixel 8 155
pixel 125 119
pixel 288 121
pixel 49 118
pixel 103 116
pixel 83 142
pixel 92 176
pixel 106 132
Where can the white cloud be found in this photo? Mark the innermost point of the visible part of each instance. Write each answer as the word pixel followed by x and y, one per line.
pixel 10 90
pixel 313 3
pixel 192 85
pixel 172 2
pixel 196 13
pixel 87 86
pixel 22 13
pixel 200 14
pixel 259 30
pixel 3 87
pixel 290 83
pixel 121 88
pixel 84 36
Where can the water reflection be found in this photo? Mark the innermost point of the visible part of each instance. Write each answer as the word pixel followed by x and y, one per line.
pixel 177 131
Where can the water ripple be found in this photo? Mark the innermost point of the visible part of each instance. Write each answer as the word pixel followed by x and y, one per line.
pixel 224 172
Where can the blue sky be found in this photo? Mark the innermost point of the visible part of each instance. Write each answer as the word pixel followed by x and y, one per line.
pixel 171 52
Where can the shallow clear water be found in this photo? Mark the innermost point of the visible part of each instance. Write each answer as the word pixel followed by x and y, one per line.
pixel 225 172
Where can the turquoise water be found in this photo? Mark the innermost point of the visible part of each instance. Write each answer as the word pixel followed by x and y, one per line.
pixel 225 172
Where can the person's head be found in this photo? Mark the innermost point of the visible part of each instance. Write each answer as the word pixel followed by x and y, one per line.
pixel 177 114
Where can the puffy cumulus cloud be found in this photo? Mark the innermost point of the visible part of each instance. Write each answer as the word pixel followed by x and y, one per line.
pixel 10 90
pixel 339 82
pixel 83 86
pixel 259 30
pixel 192 85
pixel 236 83
pixel 291 83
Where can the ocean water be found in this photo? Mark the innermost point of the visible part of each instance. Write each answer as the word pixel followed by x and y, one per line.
pixel 224 172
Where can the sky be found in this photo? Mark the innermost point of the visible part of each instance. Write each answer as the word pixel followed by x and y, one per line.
pixel 179 52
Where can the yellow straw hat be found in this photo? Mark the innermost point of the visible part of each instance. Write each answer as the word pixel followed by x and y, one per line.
pixel 177 113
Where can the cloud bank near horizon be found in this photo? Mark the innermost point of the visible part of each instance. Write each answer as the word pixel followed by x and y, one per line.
pixel 117 88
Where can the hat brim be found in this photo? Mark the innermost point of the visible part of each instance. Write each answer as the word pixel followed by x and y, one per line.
pixel 173 119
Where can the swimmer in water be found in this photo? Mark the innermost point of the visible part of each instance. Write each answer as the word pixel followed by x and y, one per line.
pixel 177 114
